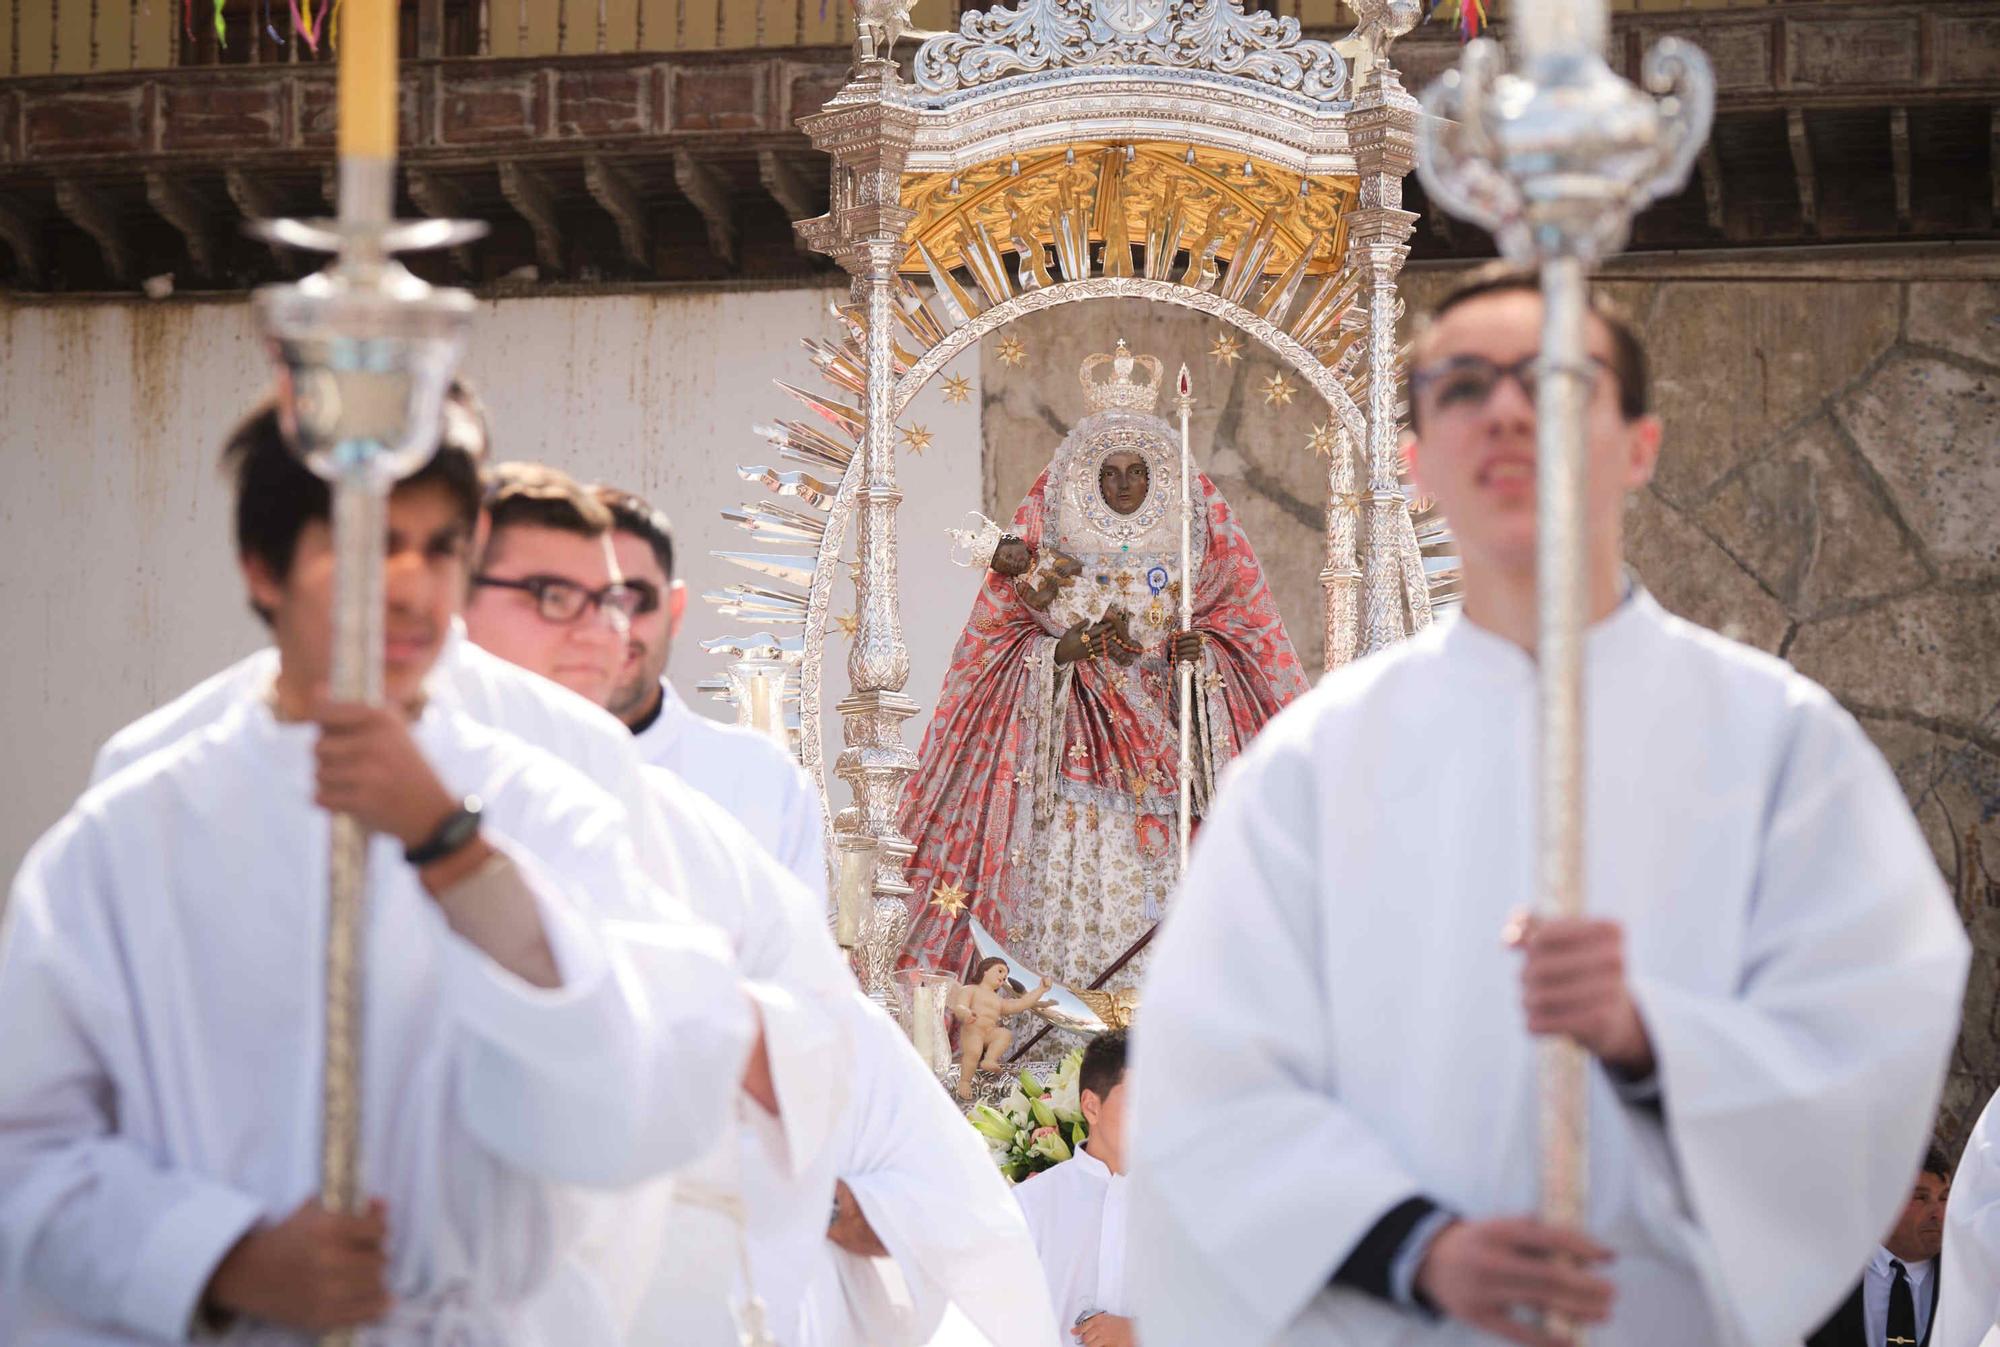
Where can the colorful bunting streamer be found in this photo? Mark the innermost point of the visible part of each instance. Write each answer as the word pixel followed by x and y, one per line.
pixel 303 26
pixel 1467 16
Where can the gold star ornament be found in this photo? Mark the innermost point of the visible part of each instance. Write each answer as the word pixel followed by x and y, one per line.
pixel 949 899
pixel 1278 391
pixel 1228 349
pixel 957 390
pixel 1323 441
pixel 1011 352
pixel 916 439
pixel 849 623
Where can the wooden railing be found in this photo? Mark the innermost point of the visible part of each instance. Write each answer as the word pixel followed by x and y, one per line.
pixel 40 37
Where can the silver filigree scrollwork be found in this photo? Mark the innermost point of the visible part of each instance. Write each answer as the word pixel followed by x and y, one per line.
pixel 1380 23
pixel 1379 241
pixel 1202 35
pixel 1550 167
pixel 1342 576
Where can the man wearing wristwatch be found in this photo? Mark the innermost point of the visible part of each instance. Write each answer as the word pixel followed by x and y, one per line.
pixel 161 973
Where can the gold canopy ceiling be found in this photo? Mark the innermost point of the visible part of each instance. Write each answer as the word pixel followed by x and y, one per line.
pixel 1164 198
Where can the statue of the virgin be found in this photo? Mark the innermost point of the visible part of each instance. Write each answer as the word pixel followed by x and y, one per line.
pixel 1048 789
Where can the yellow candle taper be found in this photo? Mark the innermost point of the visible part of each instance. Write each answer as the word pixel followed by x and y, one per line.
pixel 368 79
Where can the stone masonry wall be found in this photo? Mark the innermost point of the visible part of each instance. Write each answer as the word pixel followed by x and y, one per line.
pixel 1829 491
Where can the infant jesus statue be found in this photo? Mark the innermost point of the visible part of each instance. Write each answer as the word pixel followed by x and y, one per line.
pixel 979 1007
pixel 1037 577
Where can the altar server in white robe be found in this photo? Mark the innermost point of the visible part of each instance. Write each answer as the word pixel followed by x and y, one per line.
pixel 1968 1308
pixel 933 1189
pixel 1335 1086
pixel 750 774
pixel 1079 1210
pixel 162 965
pixel 489 689
pixel 673 824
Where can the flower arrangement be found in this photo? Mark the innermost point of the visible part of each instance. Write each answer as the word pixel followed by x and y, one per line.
pixel 1038 1125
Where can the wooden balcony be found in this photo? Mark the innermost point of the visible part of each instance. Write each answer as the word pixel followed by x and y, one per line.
pixel 1836 123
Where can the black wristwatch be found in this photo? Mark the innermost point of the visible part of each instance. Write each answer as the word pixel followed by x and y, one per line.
pixel 460 826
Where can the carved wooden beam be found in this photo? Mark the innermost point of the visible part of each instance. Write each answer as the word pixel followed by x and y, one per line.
pixel 86 208
pixel 178 203
pixel 701 185
pixel 1802 169
pixel 441 199
pixel 1710 166
pixel 787 186
pixel 1993 164
pixel 23 236
pixel 1899 155
pixel 613 191
pixel 255 199
pixel 527 191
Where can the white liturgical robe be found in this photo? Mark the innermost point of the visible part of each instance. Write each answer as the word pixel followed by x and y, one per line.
pixel 1077 1213
pixel 747 773
pixel 770 1200
pixel 1333 1025
pixel 161 983
pixel 1968 1305
pixel 961 1265
pixel 489 690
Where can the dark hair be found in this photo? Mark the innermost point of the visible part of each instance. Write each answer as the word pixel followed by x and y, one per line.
pixel 1103 1064
pixel 535 495
pixel 633 514
pixel 1934 1162
pixel 979 969
pixel 1628 353
pixel 277 495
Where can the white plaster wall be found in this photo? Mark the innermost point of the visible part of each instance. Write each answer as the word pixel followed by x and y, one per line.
pixel 117 584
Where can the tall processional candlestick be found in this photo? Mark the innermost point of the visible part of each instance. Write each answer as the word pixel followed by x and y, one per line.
pixel 1184 399
pixel 1555 161
pixel 365 353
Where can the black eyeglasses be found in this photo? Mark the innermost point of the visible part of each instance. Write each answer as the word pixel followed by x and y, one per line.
pixel 564 601
pixel 1465 382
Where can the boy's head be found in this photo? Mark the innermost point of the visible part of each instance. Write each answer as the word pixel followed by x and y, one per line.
pixel 643 540
pixel 548 594
pixel 1101 1090
pixel 1472 442
pixel 284 545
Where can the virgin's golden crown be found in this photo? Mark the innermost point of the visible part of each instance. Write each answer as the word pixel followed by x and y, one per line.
pixel 1121 392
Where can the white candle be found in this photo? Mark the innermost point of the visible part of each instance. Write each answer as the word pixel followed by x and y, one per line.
pixel 923 1026
pixel 853 888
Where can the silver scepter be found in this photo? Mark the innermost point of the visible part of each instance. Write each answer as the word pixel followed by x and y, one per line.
pixel 365 352
pixel 1184 399
pixel 1555 161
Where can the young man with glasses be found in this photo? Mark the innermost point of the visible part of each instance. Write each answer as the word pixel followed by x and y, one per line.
pixel 869 1135
pixel 1337 1084
pixel 547 594
pixel 749 774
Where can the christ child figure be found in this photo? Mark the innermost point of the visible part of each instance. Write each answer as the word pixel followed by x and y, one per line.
pixel 1038 576
pixel 979 1006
